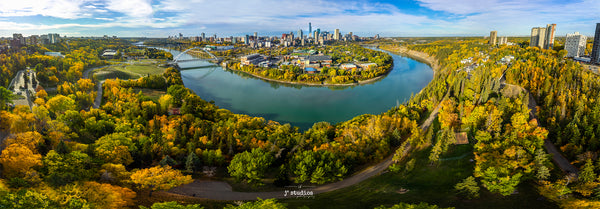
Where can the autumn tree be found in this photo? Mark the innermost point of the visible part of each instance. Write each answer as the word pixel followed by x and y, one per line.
pixel 60 104
pixel 159 178
pixel 17 159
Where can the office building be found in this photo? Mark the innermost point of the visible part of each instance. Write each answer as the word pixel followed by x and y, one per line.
pixel 336 35
pixel 255 35
pixel 596 47
pixel 247 40
pixel 309 29
pixel 203 37
pixel 575 44
pixel 300 35
pixel 493 35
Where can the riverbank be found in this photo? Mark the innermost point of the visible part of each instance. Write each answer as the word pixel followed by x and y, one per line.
pixel 416 55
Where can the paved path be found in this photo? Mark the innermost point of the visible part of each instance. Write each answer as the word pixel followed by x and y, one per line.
pixel 98 99
pixel 560 160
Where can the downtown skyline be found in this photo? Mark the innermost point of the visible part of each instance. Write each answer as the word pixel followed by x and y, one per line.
pixel 151 18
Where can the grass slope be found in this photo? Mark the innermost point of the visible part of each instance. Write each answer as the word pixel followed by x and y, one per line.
pixel 426 183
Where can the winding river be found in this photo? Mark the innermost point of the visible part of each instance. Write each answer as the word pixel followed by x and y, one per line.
pixel 302 106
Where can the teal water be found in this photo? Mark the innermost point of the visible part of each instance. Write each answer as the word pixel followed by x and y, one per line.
pixel 303 106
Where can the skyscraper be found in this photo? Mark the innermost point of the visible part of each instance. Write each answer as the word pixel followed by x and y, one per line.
pixel 309 29
pixel 493 35
pixel 575 45
pixel 300 35
pixel 247 40
pixel 203 37
pixel 336 35
pixel 255 35
pixel 596 47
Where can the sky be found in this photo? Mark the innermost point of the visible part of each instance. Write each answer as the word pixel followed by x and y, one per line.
pixel 389 18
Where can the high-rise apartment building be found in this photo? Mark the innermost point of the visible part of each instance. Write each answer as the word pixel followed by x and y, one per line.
pixel 596 47
pixel 53 38
pixel 543 37
pixel 493 35
pixel 538 37
pixel 575 44
pixel 550 29
pixel 18 41
pixel 336 35
pixel 503 40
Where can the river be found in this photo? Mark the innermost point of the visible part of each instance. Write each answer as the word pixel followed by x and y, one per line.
pixel 302 106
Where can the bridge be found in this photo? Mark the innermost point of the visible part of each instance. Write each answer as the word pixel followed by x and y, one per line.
pixel 177 59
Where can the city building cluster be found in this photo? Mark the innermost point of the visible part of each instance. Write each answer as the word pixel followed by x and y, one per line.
pixel 18 40
pixel 494 39
pixel 316 37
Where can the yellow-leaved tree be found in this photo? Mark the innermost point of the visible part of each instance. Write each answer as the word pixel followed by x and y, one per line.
pixel 17 159
pixel 159 178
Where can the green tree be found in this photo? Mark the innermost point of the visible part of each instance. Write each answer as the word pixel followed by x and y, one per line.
pixel 6 96
pixel 67 168
pixel 192 163
pixel 587 173
pixel 250 166
pixel 259 204
pixel 167 160
pixel 172 205
pixel 468 187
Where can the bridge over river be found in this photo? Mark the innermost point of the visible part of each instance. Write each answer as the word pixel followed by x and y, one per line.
pixel 193 61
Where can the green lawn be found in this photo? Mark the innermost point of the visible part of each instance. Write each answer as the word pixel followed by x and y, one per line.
pixel 152 93
pixel 132 70
pixel 426 183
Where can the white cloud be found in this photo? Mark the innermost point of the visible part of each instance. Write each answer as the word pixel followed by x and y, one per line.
pixel 66 9
pixel 476 17
pixel 131 8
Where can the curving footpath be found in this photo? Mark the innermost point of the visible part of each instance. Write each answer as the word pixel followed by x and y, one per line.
pixel 98 99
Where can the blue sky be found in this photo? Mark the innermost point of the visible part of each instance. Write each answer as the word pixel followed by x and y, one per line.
pixel 161 18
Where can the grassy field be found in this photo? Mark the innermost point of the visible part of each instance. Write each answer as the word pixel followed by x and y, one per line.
pixel 426 183
pixel 152 93
pixel 131 70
